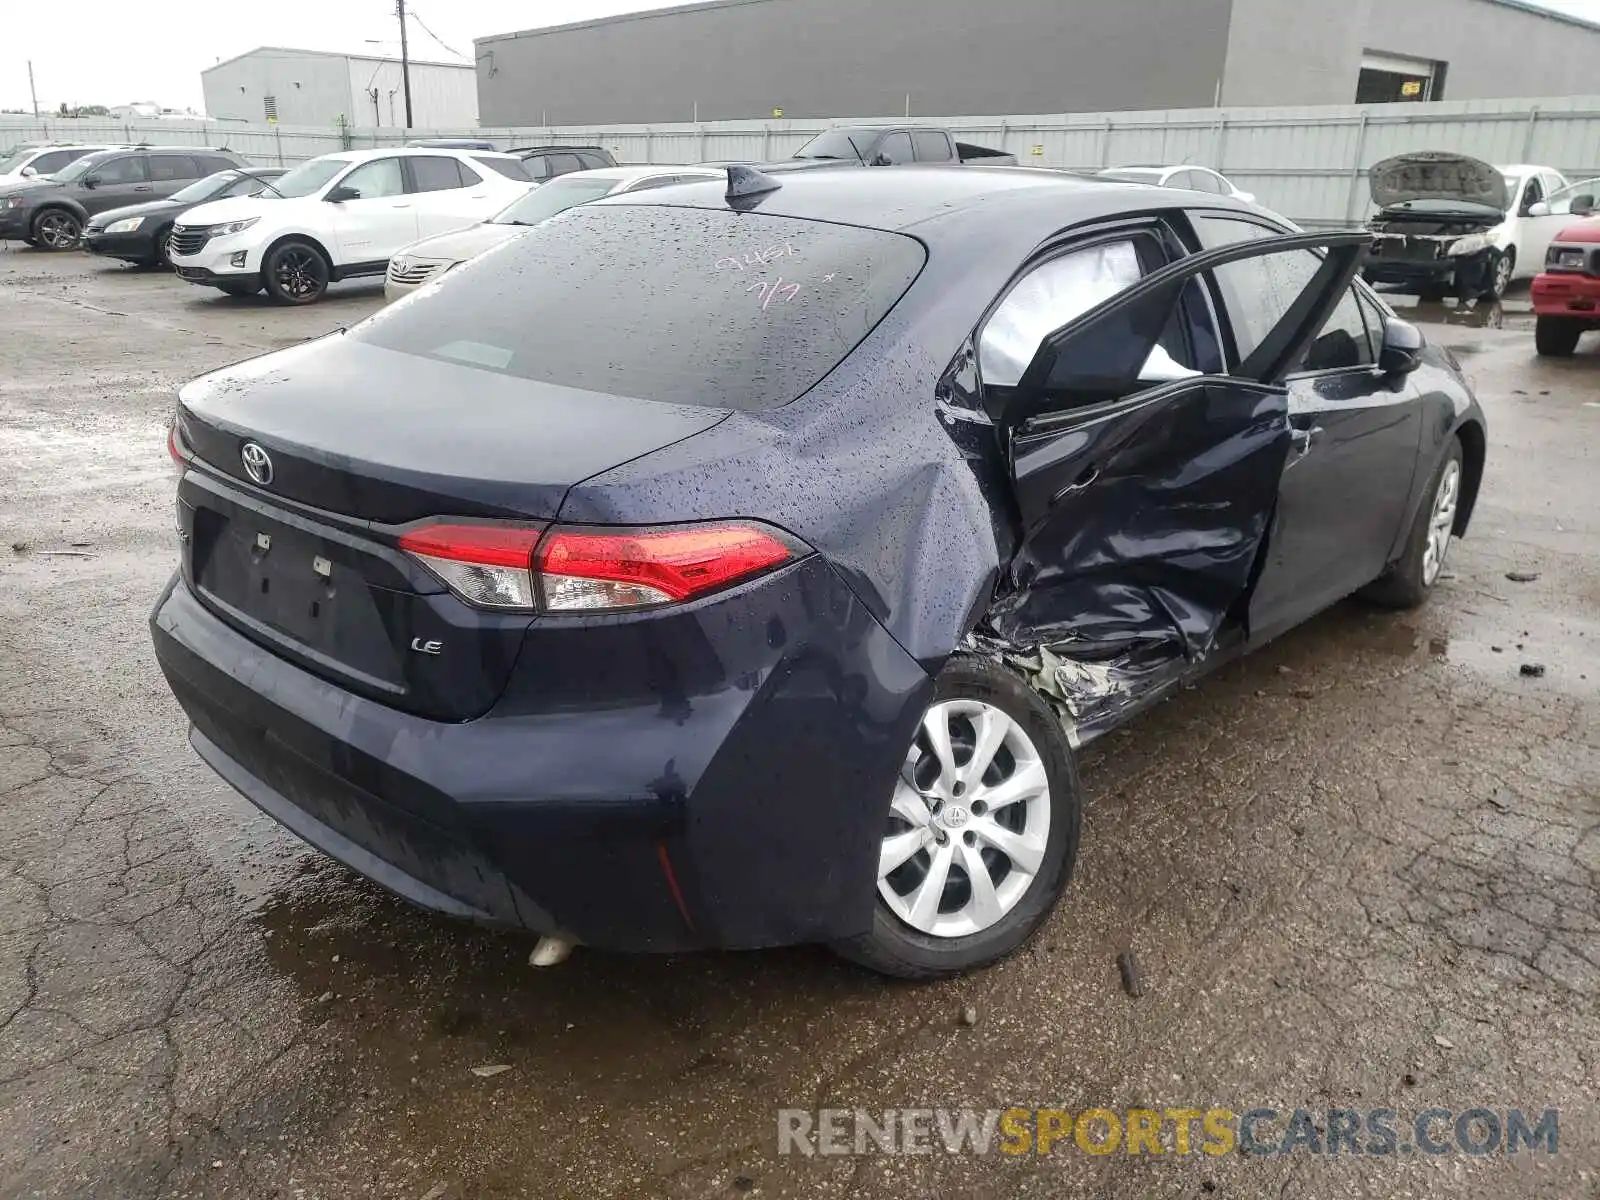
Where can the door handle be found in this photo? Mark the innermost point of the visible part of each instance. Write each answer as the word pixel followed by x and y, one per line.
pixel 400 206
pixel 1077 485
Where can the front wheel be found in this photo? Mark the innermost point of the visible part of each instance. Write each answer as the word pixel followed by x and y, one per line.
pixel 1556 337
pixel 164 248
pixel 56 229
pixel 1500 272
pixel 295 273
pixel 981 831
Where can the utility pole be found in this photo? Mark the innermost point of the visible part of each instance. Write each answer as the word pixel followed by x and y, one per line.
pixel 405 58
pixel 31 92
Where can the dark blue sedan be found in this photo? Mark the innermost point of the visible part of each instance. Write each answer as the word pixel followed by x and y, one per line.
pixel 743 564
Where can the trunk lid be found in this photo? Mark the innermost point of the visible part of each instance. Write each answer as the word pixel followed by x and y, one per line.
pixel 361 440
pixel 1438 175
pixel 387 437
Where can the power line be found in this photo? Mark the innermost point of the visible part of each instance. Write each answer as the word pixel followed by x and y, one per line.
pixel 449 49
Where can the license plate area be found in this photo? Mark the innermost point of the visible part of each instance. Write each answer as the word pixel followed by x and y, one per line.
pixel 298 588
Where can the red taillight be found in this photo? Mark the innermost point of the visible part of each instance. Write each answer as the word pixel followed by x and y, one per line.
pixel 174 450
pixel 578 570
pixel 487 565
pixel 582 569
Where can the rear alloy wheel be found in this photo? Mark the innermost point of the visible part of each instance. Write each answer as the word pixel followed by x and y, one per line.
pixel 295 273
pixel 1500 275
pixel 981 832
pixel 1409 582
pixel 1556 337
pixel 56 229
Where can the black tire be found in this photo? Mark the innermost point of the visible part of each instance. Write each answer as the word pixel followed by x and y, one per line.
pixel 893 947
pixel 1499 278
pixel 56 229
pixel 1406 584
pixel 240 289
pixel 295 273
pixel 1556 337
pixel 163 256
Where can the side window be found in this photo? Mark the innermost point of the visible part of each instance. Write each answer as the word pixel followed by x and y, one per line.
pixel 565 164
pixel 931 145
pixel 509 167
pixel 376 179
pixel 45 164
pixel 1181 179
pixel 435 173
pixel 538 167
pixel 1205 181
pixel 120 170
pixel 896 148
pixel 1345 341
pixel 1532 194
pixel 469 177
pixel 166 167
pixel 593 162
pixel 1048 298
pixel 210 164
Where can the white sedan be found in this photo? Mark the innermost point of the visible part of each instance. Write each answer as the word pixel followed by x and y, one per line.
pixel 1185 175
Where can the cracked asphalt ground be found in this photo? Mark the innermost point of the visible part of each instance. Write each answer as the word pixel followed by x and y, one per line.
pixel 1358 868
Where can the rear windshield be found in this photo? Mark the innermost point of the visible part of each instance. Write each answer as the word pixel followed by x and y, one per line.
pixel 553 199
pixel 684 305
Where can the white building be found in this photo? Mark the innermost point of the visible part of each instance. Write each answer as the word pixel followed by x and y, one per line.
pixel 310 87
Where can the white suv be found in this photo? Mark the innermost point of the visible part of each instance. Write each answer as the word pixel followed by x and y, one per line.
pixel 339 217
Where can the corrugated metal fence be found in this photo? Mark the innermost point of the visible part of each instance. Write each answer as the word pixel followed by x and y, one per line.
pixel 1308 163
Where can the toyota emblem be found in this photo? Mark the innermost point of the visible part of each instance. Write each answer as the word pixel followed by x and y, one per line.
pixel 401 266
pixel 257 463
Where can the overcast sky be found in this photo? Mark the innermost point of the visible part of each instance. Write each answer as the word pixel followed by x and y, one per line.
pixel 116 51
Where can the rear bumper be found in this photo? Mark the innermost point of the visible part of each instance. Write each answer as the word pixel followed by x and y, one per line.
pixel 629 792
pixel 1567 295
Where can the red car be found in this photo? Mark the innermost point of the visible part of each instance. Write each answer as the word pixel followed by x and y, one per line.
pixel 1566 295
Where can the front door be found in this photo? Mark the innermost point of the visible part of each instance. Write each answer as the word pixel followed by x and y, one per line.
pixel 117 182
pixel 378 220
pixel 1144 485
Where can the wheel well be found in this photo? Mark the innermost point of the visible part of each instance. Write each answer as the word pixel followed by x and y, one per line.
pixel 299 237
pixel 50 208
pixel 1473 455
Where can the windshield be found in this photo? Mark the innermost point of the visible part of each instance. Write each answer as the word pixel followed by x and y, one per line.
pixel 204 189
pixel 694 306
pixel 556 197
pixel 308 178
pixel 838 143
pixel 77 167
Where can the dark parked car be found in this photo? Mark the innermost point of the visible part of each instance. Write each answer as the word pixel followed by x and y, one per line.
pixel 546 162
pixel 762 588
pixel 139 233
pixel 890 146
pixel 51 213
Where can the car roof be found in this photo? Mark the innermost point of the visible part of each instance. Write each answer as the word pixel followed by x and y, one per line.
pixel 945 203
pixel 357 156
pixel 629 174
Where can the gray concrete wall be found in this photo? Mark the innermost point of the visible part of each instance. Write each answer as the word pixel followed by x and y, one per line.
pixel 1310 53
pixel 842 58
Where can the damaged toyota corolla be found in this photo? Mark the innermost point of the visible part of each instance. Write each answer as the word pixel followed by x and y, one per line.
pixel 745 563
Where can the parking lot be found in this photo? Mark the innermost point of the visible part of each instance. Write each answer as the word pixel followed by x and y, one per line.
pixel 1360 868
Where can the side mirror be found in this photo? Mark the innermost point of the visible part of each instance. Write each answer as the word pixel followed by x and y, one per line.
pixel 340 194
pixel 90 182
pixel 28 172
pixel 1539 209
pixel 1402 347
pixel 1583 205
